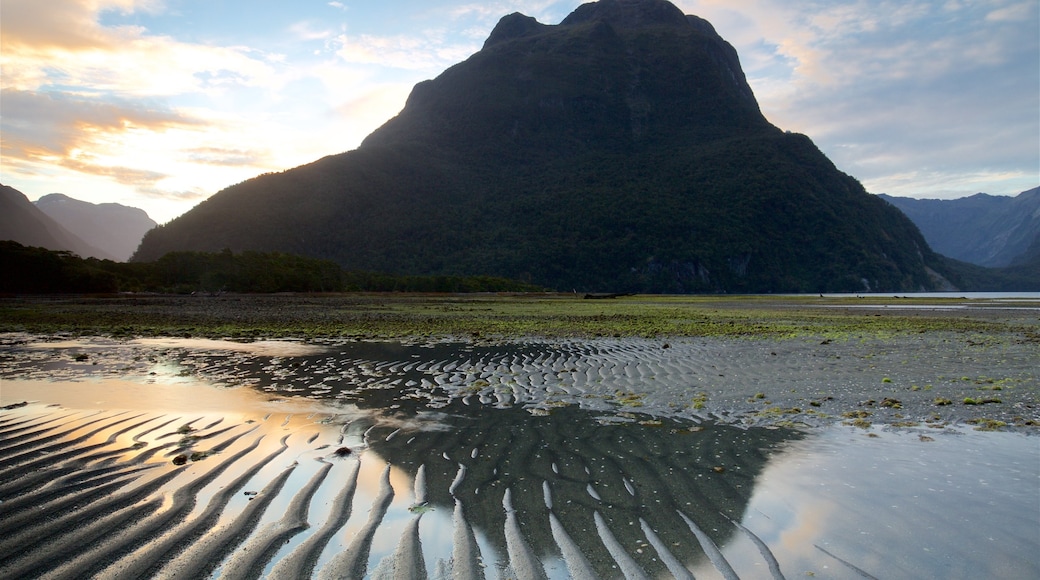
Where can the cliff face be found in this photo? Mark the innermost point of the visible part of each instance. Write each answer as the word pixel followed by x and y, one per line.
pixel 621 149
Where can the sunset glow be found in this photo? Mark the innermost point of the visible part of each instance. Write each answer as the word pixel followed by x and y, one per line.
pixel 159 104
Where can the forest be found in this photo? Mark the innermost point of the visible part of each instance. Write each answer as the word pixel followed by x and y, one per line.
pixel 32 270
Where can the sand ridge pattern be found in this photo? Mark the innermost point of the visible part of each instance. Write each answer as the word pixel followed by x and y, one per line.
pixel 103 494
pixel 738 381
pixel 575 458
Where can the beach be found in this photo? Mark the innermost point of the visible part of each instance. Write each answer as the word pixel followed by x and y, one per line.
pixel 477 456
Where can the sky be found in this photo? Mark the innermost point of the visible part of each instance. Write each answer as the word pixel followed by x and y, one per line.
pixel 159 104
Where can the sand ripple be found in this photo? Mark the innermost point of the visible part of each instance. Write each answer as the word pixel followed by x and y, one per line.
pixel 557 459
pixel 133 495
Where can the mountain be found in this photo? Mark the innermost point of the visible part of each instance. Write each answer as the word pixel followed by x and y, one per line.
pixel 1022 276
pixel 987 230
pixel 619 150
pixel 23 222
pixel 115 229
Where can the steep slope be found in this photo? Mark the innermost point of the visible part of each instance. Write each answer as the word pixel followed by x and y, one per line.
pixel 113 228
pixel 987 230
pixel 620 149
pixel 23 222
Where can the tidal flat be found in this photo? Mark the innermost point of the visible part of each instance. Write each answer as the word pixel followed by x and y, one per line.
pixel 526 436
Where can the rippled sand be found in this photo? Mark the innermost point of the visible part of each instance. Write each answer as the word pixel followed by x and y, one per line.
pixel 746 382
pixel 134 493
pixel 583 459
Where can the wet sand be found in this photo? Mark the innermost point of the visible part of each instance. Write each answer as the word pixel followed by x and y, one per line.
pixel 583 458
pixel 237 490
pixel 351 494
pixel 935 378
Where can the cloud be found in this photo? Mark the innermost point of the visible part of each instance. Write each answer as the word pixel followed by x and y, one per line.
pixel 434 49
pixel 307 31
pixel 495 10
pixel 100 110
pixel 227 156
pixel 191 195
pixel 898 91
pixel 427 51
pixel 1014 13
pixel 59 24
pixel 134 145
pixel 95 100
pixel 61 43
pixel 139 178
pixel 366 112
pixel 39 124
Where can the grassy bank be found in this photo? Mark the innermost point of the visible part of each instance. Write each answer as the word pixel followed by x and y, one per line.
pixel 393 315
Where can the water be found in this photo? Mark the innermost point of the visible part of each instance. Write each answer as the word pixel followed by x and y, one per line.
pixel 481 476
pixel 952 295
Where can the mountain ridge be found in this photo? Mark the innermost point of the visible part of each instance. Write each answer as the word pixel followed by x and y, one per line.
pixel 587 156
pixel 115 229
pixel 986 230
pixel 23 222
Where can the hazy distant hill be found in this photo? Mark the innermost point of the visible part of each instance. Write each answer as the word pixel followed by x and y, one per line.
pixel 23 222
pixel 619 150
pixel 113 228
pixel 988 230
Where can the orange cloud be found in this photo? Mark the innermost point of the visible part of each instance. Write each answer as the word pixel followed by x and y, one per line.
pixel 57 24
pixel 47 125
pixel 226 156
pixel 61 42
pixel 191 195
pixel 123 175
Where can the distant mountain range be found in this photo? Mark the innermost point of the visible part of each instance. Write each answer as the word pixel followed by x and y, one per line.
pixel 987 230
pixel 620 150
pixel 113 228
pixel 106 231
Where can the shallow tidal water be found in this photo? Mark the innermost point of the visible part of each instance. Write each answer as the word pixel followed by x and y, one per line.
pixel 382 460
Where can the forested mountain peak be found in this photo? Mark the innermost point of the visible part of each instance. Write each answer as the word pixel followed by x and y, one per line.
pixel 627 14
pixel 621 149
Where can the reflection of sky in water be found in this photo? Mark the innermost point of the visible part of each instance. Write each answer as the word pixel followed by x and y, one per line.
pixel 283 348
pixel 843 503
pixel 170 373
pixel 962 505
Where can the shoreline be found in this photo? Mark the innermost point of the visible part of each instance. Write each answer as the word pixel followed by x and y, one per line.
pixel 510 317
pixel 797 361
pixel 921 380
pixel 486 457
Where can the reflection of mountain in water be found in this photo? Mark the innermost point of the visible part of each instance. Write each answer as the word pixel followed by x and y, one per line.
pixel 599 484
pixel 564 492
pixel 179 479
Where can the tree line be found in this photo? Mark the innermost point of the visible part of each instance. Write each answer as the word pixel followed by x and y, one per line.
pixel 32 270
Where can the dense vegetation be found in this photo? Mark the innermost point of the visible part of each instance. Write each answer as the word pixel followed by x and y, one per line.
pixel 621 150
pixel 40 271
pixel 1023 276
